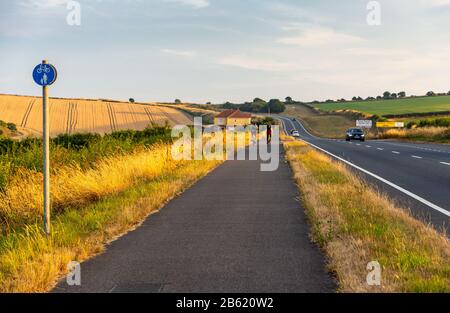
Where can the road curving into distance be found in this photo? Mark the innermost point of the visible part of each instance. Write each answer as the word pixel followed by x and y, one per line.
pixel 414 176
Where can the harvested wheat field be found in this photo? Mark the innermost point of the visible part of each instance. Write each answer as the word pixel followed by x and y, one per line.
pixel 83 115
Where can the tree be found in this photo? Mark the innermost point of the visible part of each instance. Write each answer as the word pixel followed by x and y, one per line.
pixel 208 103
pixel 402 94
pixel 247 107
pixel 354 99
pixel 430 93
pixel 289 100
pixel 448 93
pixel 370 98
pixel 131 100
pixel 229 105
pixel 379 97
pixel 394 96
pixel 386 95
pixel 258 100
pixel 177 101
pixel 11 127
pixel 276 106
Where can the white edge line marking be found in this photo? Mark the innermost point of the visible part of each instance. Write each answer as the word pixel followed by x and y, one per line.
pixel 409 193
pixel 445 163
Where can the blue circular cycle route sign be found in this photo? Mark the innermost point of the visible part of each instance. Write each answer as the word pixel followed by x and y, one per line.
pixel 44 74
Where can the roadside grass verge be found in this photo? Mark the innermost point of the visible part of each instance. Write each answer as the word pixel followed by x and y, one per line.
pixel 431 134
pixel 356 225
pixel 29 262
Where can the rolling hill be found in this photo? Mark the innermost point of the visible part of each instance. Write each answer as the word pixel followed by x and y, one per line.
pixel 84 115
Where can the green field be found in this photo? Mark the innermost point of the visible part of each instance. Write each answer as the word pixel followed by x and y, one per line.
pixel 399 106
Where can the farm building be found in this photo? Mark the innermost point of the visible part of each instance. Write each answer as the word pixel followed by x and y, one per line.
pixel 232 118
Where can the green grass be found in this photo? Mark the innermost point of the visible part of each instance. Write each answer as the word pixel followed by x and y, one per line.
pixel 399 106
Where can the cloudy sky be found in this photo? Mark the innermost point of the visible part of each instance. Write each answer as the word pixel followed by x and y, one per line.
pixel 220 50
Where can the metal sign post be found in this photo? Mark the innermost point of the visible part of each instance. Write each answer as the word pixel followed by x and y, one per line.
pixel 44 75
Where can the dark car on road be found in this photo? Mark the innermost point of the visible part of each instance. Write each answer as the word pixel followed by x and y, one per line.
pixel 355 134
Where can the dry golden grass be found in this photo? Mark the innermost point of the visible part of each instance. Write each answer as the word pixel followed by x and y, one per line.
pixel 29 262
pixel 81 116
pixel 194 109
pixel 71 186
pixel 356 225
pixel 90 208
pixel 423 132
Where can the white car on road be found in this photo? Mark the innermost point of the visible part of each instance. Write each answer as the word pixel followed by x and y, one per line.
pixel 295 134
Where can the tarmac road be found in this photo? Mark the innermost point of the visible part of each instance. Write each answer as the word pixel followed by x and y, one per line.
pixel 236 230
pixel 416 176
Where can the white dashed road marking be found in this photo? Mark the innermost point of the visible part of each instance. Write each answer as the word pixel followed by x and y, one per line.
pixel 403 190
pixel 381 149
pixel 395 152
pixel 415 147
pixel 387 182
pixel 416 157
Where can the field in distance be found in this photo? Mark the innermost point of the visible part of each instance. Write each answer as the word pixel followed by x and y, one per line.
pixel 394 106
pixel 330 125
pixel 84 115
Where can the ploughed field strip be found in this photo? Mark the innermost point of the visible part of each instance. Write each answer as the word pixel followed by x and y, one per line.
pixel 95 116
pixel 236 230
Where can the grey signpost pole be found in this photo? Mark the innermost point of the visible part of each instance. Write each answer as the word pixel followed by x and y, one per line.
pixel 46 146
pixel 44 75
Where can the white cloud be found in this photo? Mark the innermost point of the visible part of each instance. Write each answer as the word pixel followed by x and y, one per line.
pixel 198 4
pixel 257 64
pixel 43 3
pixel 438 3
pixel 179 53
pixel 296 12
pixel 320 36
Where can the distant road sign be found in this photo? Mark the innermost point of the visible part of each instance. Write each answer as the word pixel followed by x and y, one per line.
pixel 44 74
pixel 364 123
pixel 390 124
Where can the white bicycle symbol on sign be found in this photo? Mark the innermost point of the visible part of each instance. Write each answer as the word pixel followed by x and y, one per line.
pixel 43 68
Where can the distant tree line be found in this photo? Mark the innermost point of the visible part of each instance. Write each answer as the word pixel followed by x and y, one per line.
pixel 387 95
pixel 259 105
